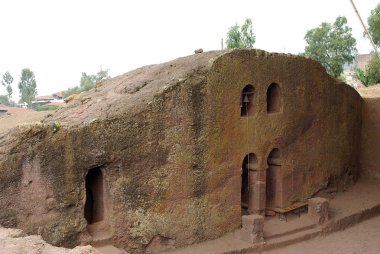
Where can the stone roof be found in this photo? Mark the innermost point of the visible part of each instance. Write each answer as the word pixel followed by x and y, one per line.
pixel 128 93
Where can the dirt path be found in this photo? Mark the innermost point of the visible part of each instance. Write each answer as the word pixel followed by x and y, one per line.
pixel 363 238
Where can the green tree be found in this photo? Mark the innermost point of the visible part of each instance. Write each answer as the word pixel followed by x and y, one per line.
pixel 4 100
pixel 332 45
pixel 371 74
pixel 373 70
pixel 102 74
pixel 27 86
pixel 6 82
pixel 374 25
pixel 362 76
pixel 87 82
pixel 240 37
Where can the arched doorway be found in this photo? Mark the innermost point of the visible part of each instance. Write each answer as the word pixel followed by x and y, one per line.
pixel 248 167
pixel 273 179
pixel 274 98
pixel 94 206
pixel 247 101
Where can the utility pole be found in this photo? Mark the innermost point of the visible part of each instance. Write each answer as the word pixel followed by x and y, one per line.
pixel 365 28
pixel 222 44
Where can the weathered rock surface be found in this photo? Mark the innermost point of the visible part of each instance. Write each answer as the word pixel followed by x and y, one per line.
pixel 370 145
pixel 14 241
pixel 165 146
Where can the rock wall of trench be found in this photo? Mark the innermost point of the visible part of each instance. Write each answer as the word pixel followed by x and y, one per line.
pixel 170 141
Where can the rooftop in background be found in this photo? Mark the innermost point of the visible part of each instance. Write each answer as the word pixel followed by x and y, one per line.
pixel 45 98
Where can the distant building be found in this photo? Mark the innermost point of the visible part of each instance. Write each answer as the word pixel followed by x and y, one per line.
pixel 58 96
pixel 349 73
pixel 55 99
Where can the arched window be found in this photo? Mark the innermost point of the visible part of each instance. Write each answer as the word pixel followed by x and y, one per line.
pixel 249 164
pixel 247 100
pixel 94 206
pixel 273 185
pixel 274 98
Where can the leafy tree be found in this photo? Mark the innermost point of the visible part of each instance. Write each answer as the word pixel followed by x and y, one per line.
pixel 374 25
pixel 371 74
pixel 4 100
pixel 373 70
pixel 87 82
pixel 240 37
pixel 6 82
pixel 27 86
pixel 332 45
pixel 70 91
pixel 102 74
pixel 362 76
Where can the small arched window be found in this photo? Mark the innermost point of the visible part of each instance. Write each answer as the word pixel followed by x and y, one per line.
pixel 274 98
pixel 247 100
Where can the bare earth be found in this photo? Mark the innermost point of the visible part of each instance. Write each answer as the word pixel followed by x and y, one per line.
pixel 363 238
pixel 18 116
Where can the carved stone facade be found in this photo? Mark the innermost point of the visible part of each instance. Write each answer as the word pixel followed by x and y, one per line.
pixel 169 154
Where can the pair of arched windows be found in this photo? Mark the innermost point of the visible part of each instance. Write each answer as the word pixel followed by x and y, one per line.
pixel 248 101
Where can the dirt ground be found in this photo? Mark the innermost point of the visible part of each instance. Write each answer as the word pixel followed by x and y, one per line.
pixel 16 116
pixel 363 238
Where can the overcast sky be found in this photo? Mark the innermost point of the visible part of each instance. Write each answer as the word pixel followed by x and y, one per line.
pixel 59 40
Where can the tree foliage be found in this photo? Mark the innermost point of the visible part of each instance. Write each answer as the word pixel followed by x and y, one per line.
pixel 373 70
pixel 362 76
pixel 241 37
pixel 87 82
pixel 7 82
pixel 4 100
pixel 27 86
pixel 332 45
pixel 371 74
pixel 374 25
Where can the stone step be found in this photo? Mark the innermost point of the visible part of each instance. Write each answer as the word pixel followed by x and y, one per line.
pixel 278 242
pixel 288 239
pixel 100 233
pixel 274 227
pixel 290 232
pixel 110 249
pixel 101 242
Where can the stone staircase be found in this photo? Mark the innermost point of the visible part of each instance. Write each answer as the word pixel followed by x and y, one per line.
pixel 282 233
pixel 279 233
pixel 102 239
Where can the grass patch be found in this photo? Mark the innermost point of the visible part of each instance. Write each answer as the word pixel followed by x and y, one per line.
pixel 46 107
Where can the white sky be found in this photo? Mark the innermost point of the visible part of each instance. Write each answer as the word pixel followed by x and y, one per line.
pixel 60 39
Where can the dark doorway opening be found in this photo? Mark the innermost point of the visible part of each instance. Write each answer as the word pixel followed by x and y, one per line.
pixel 94 206
pixel 273 185
pixel 249 165
pixel 274 98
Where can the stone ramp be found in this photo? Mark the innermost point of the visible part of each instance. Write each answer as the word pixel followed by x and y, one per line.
pixel 110 249
pixel 274 228
pixel 277 233
pixel 102 238
pixel 228 242
pixel 360 202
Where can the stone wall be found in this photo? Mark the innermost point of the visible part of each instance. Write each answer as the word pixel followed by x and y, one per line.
pixel 169 143
pixel 316 130
pixel 370 145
